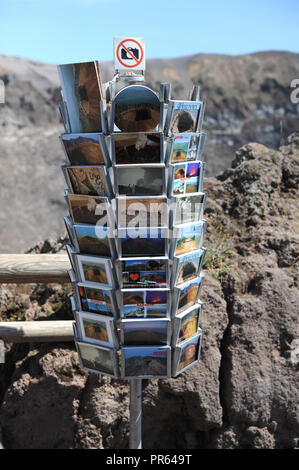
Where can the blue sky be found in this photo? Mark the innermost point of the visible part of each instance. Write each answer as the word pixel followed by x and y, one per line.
pixel 63 31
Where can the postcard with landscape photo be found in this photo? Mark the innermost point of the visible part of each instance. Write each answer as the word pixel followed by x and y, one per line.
pixel 95 270
pixel 188 294
pixel 88 180
pixel 96 329
pixel 189 266
pixel 137 147
pixel 133 311
pixel 144 273
pixel 142 212
pixel 82 91
pixel 136 108
pixel 185 178
pixel 143 242
pixel 95 300
pixel 188 238
pixel 185 147
pixel 96 358
pixel 84 149
pixel 89 210
pixel 184 117
pixel 153 303
pixel 147 361
pixel 145 333
pixel 93 240
pixel 141 180
pixel 189 352
pixel 189 208
pixel 187 324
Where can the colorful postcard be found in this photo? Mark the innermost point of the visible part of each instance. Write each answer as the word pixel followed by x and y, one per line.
pixel 146 303
pixel 145 332
pixel 95 270
pixel 187 324
pixel 93 239
pixel 96 329
pixel 144 273
pixel 88 180
pixel 84 149
pixel 189 353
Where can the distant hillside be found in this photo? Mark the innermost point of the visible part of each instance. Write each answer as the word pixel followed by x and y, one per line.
pixel 247 97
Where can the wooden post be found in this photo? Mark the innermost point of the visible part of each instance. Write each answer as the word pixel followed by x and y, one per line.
pixel 36 268
pixel 135 413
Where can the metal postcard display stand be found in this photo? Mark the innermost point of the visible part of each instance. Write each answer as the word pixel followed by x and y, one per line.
pixel 134 192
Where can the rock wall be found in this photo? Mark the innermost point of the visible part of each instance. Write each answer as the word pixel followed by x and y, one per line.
pixel 242 394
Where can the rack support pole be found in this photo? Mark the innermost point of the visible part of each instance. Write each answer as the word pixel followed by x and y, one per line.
pixel 135 413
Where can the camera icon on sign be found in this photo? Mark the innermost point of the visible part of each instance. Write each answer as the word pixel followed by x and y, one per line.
pixel 125 56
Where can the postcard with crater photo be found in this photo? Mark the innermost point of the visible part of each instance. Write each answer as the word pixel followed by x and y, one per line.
pixel 95 270
pixel 142 211
pixel 96 299
pixel 186 324
pixel 141 180
pixel 97 358
pixel 142 242
pixel 89 210
pixel 187 354
pixel 182 117
pixel 94 240
pixel 87 180
pixel 96 329
pixel 187 238
pixel 85 149
pixel 135 108
pixel 187 267
pixel 189 208
pixel 147 273
pixel 185 148
pixel 144 303
pixel 135 148
pixel 186 295
pixel 150 332
pixel 82 92
pixel 146 361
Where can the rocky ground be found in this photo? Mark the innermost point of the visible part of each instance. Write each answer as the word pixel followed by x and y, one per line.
pixel 242 394
pixel 247 100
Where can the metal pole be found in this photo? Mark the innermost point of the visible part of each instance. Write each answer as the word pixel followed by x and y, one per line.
pixel 135 413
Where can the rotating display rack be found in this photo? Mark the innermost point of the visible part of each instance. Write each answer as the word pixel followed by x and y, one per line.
pixel 134 178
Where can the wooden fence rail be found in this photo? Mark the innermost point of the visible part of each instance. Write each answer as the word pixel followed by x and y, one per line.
pixel 35 268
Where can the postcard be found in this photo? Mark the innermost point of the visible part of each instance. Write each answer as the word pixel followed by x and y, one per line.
pixel 136 108
pixel 183 116
pixel 141 180
pixel 87 180
pixel 97 329
pixel 94 239
pixel 143 273
pixel 186 295
pixel 187 267
pixel 82 91
pixel 137 147
pixel 187 238
pixel 186 324
pixel 142 242
pixel 142 211
pixel 151 303
pixel 185 178
pixel 189 208
pixel 96 299
pixel 146 361
pixel 187 354
pixel 97 358
pixel 86 149
pixel 95 270
pixel 150 332
pixel 185 148
pixel 89 210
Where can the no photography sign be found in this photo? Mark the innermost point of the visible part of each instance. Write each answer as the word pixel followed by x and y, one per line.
pixel 129 53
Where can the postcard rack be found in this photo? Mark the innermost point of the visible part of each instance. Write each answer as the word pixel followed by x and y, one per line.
pixel 134 177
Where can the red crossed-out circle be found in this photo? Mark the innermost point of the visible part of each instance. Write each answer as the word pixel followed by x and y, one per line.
pixel 121 44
